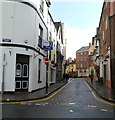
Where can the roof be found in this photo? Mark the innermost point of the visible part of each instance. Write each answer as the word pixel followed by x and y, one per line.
pixel 84 48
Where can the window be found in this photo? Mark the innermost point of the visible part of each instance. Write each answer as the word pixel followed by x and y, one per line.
pixel 18 70
pixel 50 54
pixel 41 6
pixel 81 66
pixel 84 65
pixel 85 53
pixel 25 70
pixel 59 36
pixel 85 58
pixel 106 23
pixel 78 66
pixel 39 70
pixel 50 36
pixel 40 36
pixel 81 53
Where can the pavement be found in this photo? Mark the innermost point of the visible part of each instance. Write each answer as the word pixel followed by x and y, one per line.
pixel 26 96
pixel 104 92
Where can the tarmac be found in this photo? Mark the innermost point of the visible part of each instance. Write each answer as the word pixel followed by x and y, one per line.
pixel 100 89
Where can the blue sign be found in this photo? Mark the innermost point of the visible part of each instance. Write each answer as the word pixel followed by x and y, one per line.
pixel 49 46
pixel 6 40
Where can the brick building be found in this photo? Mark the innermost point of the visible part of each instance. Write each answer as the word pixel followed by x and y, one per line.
pixel 106 27
pixel 112 43
pixel 82 62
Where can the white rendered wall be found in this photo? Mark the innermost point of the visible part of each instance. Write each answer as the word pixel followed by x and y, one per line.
pixel 0 47
pixel 20 23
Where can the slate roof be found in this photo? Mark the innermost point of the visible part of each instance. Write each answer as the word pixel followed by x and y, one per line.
pixel 84 48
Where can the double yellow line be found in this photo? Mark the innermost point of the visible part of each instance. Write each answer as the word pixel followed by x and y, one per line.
pixel 49 97
pixel 44 99
pixel 98 98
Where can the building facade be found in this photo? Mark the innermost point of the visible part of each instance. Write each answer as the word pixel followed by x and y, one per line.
pixel 71 67
pixel 59 55
pixel 106 26
pixel 23 35
pixel 82 62
pixel 112 42
pixel 94 58
pixel 52 53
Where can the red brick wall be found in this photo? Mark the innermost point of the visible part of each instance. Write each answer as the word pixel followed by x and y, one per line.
pixel 112 8
pixel 78 56
pixel 104 29
pixel 112 33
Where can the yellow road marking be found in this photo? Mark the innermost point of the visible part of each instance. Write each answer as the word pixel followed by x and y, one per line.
pixel 44 99
pixel 97 97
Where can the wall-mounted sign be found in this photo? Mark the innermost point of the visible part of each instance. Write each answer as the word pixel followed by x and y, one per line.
pixel 48 45
pixel 6 40
pixel 46 60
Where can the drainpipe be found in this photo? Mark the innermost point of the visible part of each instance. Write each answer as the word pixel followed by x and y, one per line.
pixel 3 74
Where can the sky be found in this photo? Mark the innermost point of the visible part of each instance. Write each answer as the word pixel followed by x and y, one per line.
pixel 81 20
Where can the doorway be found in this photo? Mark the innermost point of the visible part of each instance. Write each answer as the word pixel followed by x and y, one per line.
pixel 22 72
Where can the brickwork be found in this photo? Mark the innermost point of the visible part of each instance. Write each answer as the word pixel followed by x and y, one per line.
pixel 112 24
pixel 82 58
pixel 107 44
pixel 104 30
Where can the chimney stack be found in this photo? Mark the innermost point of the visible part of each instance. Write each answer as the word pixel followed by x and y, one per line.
pixel 89 45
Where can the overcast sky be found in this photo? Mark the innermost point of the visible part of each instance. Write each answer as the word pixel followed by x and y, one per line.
pixel 81 20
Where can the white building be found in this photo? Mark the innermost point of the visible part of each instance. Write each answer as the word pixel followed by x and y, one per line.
pixel 24 29
pixel 52 37
pixel 59 55
pixel 95 58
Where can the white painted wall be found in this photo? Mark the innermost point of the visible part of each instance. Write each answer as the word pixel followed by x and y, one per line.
pixel 101 69
pixel 0 47
pixel 20 23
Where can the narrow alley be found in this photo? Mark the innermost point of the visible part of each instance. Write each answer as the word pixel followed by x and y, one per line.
pixel 74 100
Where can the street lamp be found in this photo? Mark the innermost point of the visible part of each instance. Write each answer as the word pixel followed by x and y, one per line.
pixel 105 61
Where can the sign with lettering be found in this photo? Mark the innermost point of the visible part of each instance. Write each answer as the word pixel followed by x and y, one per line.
pixel 48 45
pixel 6 40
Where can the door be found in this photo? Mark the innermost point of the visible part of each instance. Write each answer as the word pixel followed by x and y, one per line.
pixel 22 73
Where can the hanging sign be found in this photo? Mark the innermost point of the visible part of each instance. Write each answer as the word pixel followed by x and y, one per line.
pixel 48 45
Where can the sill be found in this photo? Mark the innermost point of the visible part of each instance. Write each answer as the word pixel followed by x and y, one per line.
pixel 39 81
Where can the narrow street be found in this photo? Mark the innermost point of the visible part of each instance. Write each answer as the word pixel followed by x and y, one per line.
pixel 74 100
